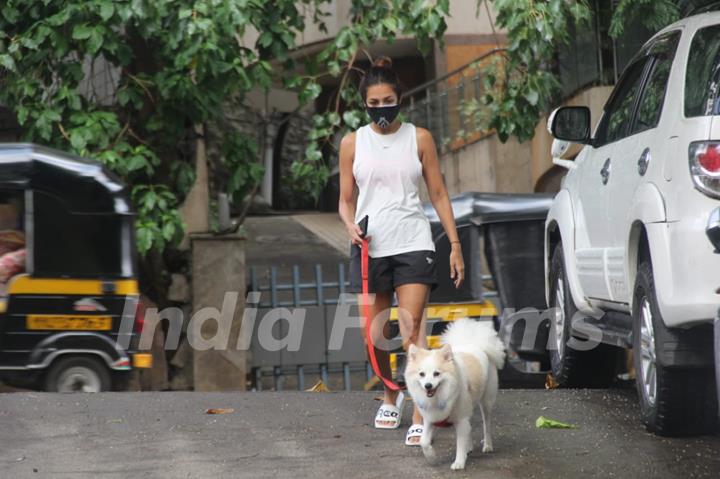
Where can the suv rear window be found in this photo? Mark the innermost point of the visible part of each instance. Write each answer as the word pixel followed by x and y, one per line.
pixel 703 73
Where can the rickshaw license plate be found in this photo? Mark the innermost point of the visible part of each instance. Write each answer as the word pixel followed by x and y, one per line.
pixel 69 322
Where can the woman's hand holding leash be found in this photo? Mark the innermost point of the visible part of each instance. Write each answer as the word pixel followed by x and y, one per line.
pixel 355 233
pixel 457 265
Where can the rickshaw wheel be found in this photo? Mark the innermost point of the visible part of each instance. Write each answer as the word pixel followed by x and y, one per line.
pixel 77 374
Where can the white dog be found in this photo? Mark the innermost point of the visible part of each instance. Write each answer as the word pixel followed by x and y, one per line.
pixel 446 383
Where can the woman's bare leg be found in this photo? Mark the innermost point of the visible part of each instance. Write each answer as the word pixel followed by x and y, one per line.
pixel 380 330
pixel 412 299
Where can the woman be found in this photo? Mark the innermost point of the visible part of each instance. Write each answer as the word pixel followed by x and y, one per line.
pixel 386 159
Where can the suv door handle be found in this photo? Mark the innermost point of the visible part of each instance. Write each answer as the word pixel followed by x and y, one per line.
pixel 644 161
pixel 605 172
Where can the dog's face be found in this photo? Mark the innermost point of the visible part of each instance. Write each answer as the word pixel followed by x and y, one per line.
pixel 429 370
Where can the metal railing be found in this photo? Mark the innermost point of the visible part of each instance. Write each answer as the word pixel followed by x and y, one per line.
pixel 440 105
pixel 320 296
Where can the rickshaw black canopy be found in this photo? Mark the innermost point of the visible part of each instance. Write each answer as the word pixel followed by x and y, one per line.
pixel 84 186
pixel 77 219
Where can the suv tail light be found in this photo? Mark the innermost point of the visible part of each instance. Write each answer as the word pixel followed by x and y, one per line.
pixel 705 166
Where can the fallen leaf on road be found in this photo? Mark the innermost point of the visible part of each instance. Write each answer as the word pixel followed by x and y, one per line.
pixel 319 387
pixel 219 411
pixel 545 423
pixel 550 382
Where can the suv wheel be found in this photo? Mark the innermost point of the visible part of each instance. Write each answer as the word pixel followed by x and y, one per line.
pixel 570 367
pixel 673 402
pixel 77 374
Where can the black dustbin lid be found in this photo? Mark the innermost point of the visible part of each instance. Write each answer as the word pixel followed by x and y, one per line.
pixel 482 208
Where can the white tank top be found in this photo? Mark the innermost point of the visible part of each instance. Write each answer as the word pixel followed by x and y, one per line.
pixel 387 170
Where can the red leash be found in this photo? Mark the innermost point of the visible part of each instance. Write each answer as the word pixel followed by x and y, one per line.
pixel 364 267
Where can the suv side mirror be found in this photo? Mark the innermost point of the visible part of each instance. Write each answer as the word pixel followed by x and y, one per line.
pixel 571 123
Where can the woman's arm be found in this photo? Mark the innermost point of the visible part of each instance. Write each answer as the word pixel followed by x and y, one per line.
pixel 440 201
pixel 346 205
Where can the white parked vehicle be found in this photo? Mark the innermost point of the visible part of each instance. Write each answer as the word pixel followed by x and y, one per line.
pixel 633 238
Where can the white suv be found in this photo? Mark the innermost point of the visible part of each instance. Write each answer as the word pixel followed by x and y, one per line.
pixel 633 238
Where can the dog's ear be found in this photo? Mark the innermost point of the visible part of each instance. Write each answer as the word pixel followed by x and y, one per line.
pixel 446 352
pixel 412 352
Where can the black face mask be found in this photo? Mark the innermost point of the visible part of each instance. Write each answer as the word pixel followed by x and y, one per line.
pixel 383 115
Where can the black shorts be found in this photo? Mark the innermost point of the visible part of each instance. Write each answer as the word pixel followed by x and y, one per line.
pixel 388 272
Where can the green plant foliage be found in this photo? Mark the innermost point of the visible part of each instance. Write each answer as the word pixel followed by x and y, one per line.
pixel 653 14
pixel 171 65
pixel 519 89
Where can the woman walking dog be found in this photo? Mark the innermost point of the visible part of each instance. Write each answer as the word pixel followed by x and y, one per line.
pixel 386 159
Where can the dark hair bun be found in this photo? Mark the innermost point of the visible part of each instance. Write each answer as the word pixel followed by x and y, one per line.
pixel 380 71
pixel 383 62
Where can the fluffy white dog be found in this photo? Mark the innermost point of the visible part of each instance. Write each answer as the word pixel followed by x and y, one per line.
pixel 446 383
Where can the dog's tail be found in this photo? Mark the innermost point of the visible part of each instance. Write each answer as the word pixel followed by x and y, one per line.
pixel 475 337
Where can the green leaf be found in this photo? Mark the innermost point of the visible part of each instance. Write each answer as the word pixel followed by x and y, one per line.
pixel 352 119
pixel 106 10
pixel 334 68
pixel 310 92
pixel 52 115
pixel 545 423
pixel 144 239
pixel 7 62
pixel 444 6
pixel 168 231
pixel 149 200
pixel 532 97
pixel 22 114
pixel 266 38
pixel 77 140
pixel 137 162
pixel 122 96
pixel 96 40
pixel 82 31
pixel 10 13
pixel 390 23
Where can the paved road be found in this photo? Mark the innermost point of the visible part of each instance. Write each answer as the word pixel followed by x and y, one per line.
pixel 295 434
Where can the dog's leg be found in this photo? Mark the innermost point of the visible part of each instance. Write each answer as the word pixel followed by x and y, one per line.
pixel 463 431
pixel 426 440
pixel 487 438
pixel 486 405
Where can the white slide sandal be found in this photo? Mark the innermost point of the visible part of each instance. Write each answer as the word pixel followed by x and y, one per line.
pixel 390 412
pixel 416 430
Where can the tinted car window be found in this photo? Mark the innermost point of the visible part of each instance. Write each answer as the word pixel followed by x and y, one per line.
pixel 619 111
pixel 701 76
pixel 652 100
pixel 653 96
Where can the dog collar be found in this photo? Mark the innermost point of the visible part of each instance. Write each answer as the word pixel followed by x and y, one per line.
pixel 443 423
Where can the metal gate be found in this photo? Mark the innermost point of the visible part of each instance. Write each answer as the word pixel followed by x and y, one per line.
pixel 320 298
pixel 346 367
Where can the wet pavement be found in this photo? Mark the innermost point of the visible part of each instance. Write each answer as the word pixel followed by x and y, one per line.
pixel 297 434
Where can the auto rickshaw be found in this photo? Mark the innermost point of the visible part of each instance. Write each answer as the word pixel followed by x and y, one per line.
pixel 68 279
